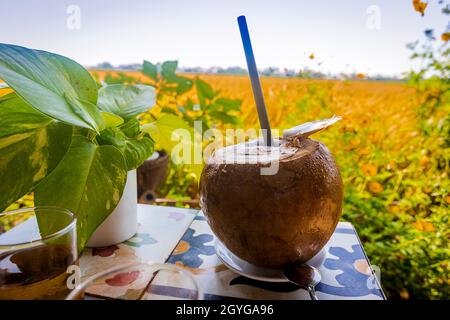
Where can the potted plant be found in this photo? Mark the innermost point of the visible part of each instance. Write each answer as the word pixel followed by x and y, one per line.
pixel 75 145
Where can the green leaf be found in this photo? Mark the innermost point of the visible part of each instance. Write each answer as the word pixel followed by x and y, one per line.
pixel 229 104
pixel 168 72
pixel 164 129
pixel 169 68
pixel 150 70
pixel 189 105
pixel 111 120
pixel 86 110
pixel 224 117
pixel 183 85
pixel 119 78
pixel 135 149
pixel 169 110
pixel 111 137
pixel 89 181
pixel 204 91
pixel 126 100
pixel 131 128
pixel 45 80
pixel 31 145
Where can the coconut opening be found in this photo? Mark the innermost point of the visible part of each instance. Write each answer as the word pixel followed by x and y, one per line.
pixel 254 151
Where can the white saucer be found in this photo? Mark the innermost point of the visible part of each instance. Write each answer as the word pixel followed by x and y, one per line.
pixel 251 271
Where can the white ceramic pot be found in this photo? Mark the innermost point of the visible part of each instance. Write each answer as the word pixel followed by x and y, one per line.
pixel 121 224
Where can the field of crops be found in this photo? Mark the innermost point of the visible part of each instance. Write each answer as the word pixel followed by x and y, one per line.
pixel 354 100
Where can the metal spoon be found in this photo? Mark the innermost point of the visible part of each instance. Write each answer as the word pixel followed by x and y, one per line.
pixel 304 276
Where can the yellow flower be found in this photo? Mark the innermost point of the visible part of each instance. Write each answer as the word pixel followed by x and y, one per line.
pixel 420 6
pixel 369 169
pixel 447 199
pixel 424 160
pixel 364 151
pixel 355 142
pixel 394 208
pixel 375 187
pixel 423 226
pixel 445 36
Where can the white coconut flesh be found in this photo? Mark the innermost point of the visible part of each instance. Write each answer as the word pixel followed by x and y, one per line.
pixel 254 151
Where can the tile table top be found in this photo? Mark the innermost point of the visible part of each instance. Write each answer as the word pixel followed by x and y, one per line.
pixel 183 237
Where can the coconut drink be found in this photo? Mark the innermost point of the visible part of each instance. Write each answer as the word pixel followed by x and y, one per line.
pixel 272 220
pixel 272 202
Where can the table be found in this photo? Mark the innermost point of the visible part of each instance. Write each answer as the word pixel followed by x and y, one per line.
pixel 182 237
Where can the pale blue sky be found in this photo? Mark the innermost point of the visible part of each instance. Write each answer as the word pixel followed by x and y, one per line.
pixel 205 32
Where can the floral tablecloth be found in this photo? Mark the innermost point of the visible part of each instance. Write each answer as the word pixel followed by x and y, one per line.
pixel 183 237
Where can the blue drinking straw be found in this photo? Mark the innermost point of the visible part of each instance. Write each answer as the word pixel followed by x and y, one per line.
pixel 256 84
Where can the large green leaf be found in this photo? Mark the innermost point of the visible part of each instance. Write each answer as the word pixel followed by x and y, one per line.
pixel 126 100
pixel 136 147
pixel 53 84
pixel 89 181
pixel 31 145
pixel 164 131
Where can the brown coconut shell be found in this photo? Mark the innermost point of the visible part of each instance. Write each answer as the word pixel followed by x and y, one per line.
pixel 274 220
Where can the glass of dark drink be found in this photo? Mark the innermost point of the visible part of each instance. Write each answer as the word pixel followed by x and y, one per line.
pixel 37 246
